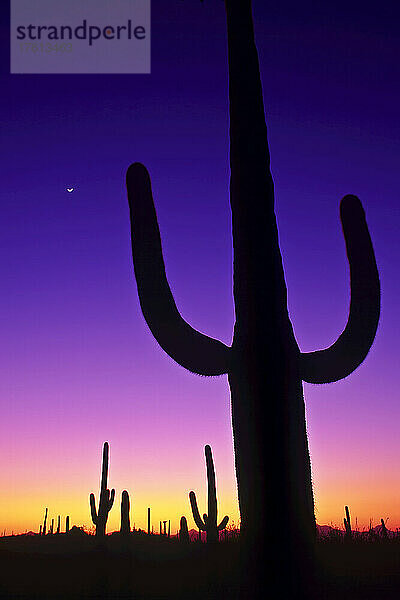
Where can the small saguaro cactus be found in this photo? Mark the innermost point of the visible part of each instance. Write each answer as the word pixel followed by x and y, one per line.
pixel 52 526
pixel 67 524
pixel 106 501
pixel 184 531
pixel 58 524
pixel 148 521
pixel 125 522
pixel 45 522
pixel 209 522
pixel 347 523
pixel 384 531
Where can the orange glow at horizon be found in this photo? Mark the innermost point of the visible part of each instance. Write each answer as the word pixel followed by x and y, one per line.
pixel 21 512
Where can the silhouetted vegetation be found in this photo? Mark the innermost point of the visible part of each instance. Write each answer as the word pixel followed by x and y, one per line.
pixel 44 523
pixel 106 501
pixel 347 523
pixel 184 531
pixel 209 521
pixel 125 506
pixel 150 567
pixel 140 565
pixel 265 366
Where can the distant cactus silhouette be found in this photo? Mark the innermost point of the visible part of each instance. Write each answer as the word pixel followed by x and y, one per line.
pixel 52 527
pixel 384 531
pixel 264 364
pixel 44 523
pixel 58 523
pixel 183 531
pixel 125 522
pixel 347 524
pixel 209 522
pixel 67 524
pixel 148 521
pixel 106 501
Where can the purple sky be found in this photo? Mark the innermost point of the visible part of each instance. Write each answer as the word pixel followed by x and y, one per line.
pixel 78 364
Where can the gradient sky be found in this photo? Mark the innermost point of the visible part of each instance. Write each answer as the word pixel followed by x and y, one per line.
pixel 78 363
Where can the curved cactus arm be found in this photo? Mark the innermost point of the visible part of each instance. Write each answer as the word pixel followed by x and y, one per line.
pixel 93 508
pixel 195 511
pixel 352 346
pixel 111 500
pixel 223 523
pixel 189 348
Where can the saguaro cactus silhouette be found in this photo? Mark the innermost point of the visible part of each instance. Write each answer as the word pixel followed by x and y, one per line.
pixel 125 506
pixel 209 521
pixel 347 523
pixel 264 364
pixel 106 501
pixel 44 522
pixel 384 531
pixel 183 531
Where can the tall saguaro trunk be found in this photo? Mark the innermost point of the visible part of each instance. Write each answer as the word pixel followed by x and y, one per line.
pixel 271 451
pixel 264 364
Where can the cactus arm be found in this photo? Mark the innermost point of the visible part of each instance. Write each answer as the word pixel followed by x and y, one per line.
pixel 195 511
pixel 223 523
pixel 93 509
pixel 352 346
pixel 189 348
pixel 111 500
